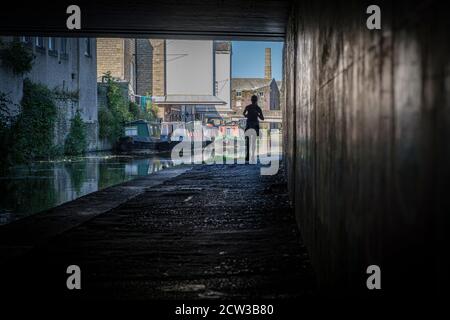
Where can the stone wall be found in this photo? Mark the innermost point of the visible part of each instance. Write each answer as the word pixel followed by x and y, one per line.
pixel 144 68
pixel 110 53
pixel 66 110
pixel 130 62
pixel 367 128
pixel 159 67
pixel 74 73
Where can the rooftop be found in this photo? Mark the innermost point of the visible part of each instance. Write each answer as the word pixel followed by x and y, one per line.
pixel 249 83
pixel 189 99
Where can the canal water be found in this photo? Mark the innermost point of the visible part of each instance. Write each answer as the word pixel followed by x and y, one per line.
pixel 26 190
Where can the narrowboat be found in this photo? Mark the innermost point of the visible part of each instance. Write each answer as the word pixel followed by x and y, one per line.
pixel 141 135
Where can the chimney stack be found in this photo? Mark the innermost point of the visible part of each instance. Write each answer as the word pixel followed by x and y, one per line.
pixel 268 65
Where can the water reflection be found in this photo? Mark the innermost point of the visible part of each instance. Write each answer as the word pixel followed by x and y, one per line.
pixel 43 185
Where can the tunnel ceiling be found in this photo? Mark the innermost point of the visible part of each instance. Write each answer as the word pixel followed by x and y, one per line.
pixel 209 19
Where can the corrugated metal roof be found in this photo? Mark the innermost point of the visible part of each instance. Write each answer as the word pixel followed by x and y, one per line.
pixel 249 83
pixel 189 99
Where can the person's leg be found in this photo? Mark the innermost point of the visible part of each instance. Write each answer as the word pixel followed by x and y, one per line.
pixel 247 148
pixel 250 144
pixel 254 142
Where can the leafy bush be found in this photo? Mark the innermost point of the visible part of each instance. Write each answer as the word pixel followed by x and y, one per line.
pixel 152 110
pixel 116 114
pixel 76 142
pixel 149 114
pixel 106 123
pixel 34 129
pixel 135 110
pixel 16 56
pixel 5 131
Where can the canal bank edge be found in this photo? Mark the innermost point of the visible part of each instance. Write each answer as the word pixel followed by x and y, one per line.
pixel 47 224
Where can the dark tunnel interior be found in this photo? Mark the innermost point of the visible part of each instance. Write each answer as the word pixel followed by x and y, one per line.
pixel 366 122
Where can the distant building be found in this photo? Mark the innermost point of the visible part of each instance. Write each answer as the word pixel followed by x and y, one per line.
pixel 266 89
pixel 150 72
pixel 138 64
pixel 188 79
pixel 117 56
pixel 66 65
pixel 193 80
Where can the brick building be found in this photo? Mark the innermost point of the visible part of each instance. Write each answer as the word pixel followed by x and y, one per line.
pixel 150 67
pixel 117 56
pixel 137 61
pixel 266 89
pixel 183 77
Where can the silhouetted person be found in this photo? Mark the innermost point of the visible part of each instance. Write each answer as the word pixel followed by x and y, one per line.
pixel 253 113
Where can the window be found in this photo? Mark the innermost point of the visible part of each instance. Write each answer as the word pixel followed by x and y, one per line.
pixel 63 45
pixel 238 93
pixel 52 47
pixel 261 93
pixel 64 49
pixel 87 52
pixel 131 131
pixel 39 41
pixel 216 88
pixel 52 44
pixel 26 40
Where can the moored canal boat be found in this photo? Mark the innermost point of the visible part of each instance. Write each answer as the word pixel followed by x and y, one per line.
pixel 141 135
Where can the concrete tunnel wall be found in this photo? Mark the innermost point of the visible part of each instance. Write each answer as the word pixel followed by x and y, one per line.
pixel 367 145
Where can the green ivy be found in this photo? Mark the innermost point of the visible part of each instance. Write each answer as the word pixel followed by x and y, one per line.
pixel 116 114
pixel 5 131
pixel 34 129
pixel 16 56
pixel 149 114
pixel 106 123
pixel 76 142
pixel 135 110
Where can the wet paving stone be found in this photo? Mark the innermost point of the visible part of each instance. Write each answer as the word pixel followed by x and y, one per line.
pixel 214 232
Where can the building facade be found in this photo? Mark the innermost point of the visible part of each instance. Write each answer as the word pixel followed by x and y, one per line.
pixel 117 57
pixel 266 89
pixel 137 64
pixel 196 80
pixel 222 81
pixel 65 65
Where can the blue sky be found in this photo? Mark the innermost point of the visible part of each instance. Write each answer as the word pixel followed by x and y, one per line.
pixel 248 59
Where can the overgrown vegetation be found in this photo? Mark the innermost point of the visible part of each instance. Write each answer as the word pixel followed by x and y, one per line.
pixel 152 110
pixel 119 111
pixel 34 128
pixel 150 113
pixel 112 118
pixel 76 141
pixel 16 56
pixel 5 131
